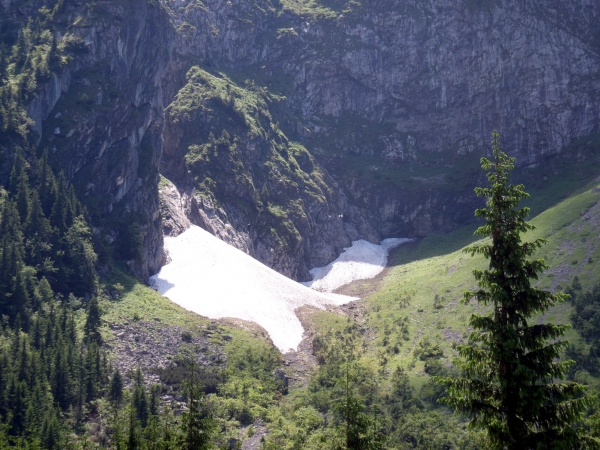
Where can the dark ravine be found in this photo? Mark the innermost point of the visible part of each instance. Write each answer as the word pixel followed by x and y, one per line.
pixel 373 115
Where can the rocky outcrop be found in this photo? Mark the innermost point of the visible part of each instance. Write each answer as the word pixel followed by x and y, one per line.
pixel 446 74
pixel 251 186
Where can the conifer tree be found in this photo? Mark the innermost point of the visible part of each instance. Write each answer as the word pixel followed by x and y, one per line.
pixel 21 51
pixel 93 323
pixel 60 376
pixel 115 392
pixel 3 64
pixel 20 300
pixel 510 367
pixel 139 399
pixel 23 195
pixel 53 56
pixel 197 423
pixel 50 432
pixel 46 185
pixel 38 230
pixel 10 226
pixel 133 438
pixel 18 167
pixel 82 258
pixel 358 430
pixel 61 209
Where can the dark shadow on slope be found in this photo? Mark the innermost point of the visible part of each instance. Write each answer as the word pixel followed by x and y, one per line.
pixel 553 180
pixel 436 244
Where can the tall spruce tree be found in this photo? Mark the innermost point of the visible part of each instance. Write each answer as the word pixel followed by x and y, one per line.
pixel 510 367
pixel 197 423
pixel 3 64
pixel 115 390
pixel 93 322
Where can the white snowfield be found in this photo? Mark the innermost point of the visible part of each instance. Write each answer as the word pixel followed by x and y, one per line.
pixel 211 278
pixel 361 260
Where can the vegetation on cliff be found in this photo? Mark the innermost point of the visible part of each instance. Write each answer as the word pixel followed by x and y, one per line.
pixel 239 158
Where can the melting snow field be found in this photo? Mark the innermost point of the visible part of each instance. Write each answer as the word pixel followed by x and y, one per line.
pixel 361 260
pixel 211 278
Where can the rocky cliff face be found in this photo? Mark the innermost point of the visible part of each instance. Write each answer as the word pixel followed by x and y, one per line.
pixel 101 117
pixel 447 73
pixel 305 125
pixel 398 99
pixel 243 180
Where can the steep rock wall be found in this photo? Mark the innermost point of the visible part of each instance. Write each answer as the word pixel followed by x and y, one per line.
pixel 372 120
pixel 398 98
pixel 101 120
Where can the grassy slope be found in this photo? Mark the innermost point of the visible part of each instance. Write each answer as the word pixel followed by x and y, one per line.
pixel 437 265
pixel 138 302
pixel 422 270
pixel 419 271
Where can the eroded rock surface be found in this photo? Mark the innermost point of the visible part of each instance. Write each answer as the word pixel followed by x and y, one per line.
pixel 353 120
pixel 395 101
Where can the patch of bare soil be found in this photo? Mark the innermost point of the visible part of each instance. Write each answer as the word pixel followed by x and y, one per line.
pixel 259 432
pixel 301 364
pixel 364 288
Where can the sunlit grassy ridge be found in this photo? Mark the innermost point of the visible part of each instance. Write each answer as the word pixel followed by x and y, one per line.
pixel 409 290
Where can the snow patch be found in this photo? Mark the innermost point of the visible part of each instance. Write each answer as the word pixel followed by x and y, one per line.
pixel 211 278
pixel 360 261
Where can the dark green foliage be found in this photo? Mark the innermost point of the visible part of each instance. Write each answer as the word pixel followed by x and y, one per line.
pixel 422 429
pixel 428 350
pixel 585 318
pixel 510 367
pixel 115 391
pixel 45 258
pixel 43 371
pixel 128 245
pixel 139 399
pixel 50 432
pixel 358 429
pixel 133 437
pixel 3 64
pixel 44 234
pixel 431 354
pixel 93 323
pixel 31 60
pixel 586 313
pixel 198 423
